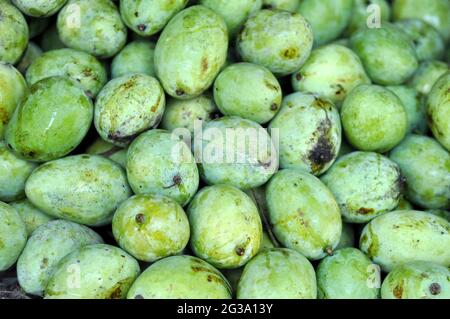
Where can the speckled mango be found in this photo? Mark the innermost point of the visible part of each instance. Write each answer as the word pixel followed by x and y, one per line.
pixel 127 106
pixel 234 12
pixel 226 229
pixel 374 118
pixel 39 8
pixel 94 27
pixel 417 280
pixel 278 40
pixel 182 114
pixel 426 166
pixel 278 274
pixel 13 89
pixel 135 57
pixel 85 189
pixel 303 213
pixel 405 236
pixel 438 110
pixel 31 216
pixel 183 64
pixel 14 172
pixel 149 16
pixel 387 53
pixel 111 151
pixel 46 247
pixel 331 71
pixel 249 91
pixel 427 75
pixel 93 272
pixel 309 133
pixel 158 162
pixel 14 31
pixel 151 227
pixel 235 151
pixel 180 277
pixel 347 274
pixel 13 236
pixel 350 178
pixel 362 12
pixel 287 5
pixel 81 67
pixel 328 18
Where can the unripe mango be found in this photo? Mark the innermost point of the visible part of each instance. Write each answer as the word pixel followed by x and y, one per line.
pixel 438 106
pixel 14 31
pixel 13 236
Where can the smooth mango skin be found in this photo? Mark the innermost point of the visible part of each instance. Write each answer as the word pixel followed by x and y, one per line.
pixel 427 75
pixel 85 189
pixel 328 18
pixel 426 166
pixel 287 5
pixel 127 106
pixel 278 40
pixel 374 118
pixel 403 236
pixel 438 110
pixel 434 12
pixel 360 14
pixel 39 8
pixel 180 277
pixel 331 71
pixel 186 66
pixel 235 151
pixel 387 53
pixel 182 114
pixel 417 280
pixel 149 16
pixel 226 229
pixel 51 121
pixel 151 227
pixel 304 214
pixel 347 274
pixel 47 245
pixel 13 236
pixel 94 27
pixel 234 12
pixel 135 57
pixel 415 107
pixel 249 91
pixel 427 41
pixel 158 162
pixel 13 89
pixel 31 216
pixel 14 172
pixel 81 67
pixel 111 151
pixel 93 272
pixel 310 133
pixel 14 31
pixel 278 274
pixel 347 236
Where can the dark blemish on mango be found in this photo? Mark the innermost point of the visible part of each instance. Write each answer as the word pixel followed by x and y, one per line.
pixel 140 219
pixel 265 165
pixel 365 211
pixel 179 92
pixel 204 64
pixel 321 154
pixel 44 263
pixel 328 250
pixel 270 85
pixel 398 290
pixel 138 297
pixel 176 180
pixel 299 76
pixel 290 53
pixel 240 251
pixel 435 289
pixel 116 294
pixel 141 27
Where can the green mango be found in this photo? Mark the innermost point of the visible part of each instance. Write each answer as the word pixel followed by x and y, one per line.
pixel 281 41
pixel 417 280
pixel 14 31
pixel 363 11
pixel 180 277
pixel 160 163
pixel 400 237
pixel 348 274
pixel 427 74
pixel 93 272
pixel 148 17
pixel 303 213
pixel 13 236
pixel 278 274
pixel 183 71
pixel 438 105
pixel 46 247
pixel 426 166
pixel 85 189
pixel 135 57
pixel 226 229
pixel 94 27
pixel 315 146
pixel 39 8
pixel 31 216
pixel 108 150
pixel 81 67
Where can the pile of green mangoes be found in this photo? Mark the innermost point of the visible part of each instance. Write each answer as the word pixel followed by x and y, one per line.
pixel 108 108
